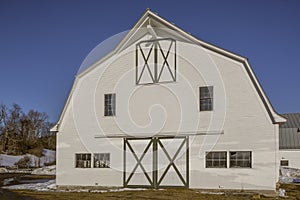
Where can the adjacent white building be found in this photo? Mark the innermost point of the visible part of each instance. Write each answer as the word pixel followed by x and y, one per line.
pixel 165 109
pixel 289 141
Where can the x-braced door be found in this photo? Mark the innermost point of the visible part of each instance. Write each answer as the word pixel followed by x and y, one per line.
pixel 156 162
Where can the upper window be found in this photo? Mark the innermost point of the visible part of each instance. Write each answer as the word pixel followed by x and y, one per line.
pixel 216 159
pixel 156 61
pixel 83 160
pixel 109 104
pixel 240 159
pixel 101 160
pixel 206 98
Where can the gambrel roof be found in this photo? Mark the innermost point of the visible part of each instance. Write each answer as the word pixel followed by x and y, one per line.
pixel 156 21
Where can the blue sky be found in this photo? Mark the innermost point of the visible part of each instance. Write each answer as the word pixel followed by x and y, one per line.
pixel 44 42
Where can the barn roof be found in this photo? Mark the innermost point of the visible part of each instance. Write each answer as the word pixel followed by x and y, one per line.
pixel 159 21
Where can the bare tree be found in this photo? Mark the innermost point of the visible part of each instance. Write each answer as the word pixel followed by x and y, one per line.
pixel 3 126
pixel 21 132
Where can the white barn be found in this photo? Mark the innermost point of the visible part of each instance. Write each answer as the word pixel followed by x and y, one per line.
pixel 165 109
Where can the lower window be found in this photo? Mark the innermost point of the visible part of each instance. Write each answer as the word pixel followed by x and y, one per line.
pixel 101 160
pixel 284 163
pixel 216 159
pixel 83 160
pixel 240 159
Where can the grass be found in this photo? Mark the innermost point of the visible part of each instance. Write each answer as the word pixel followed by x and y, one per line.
pixel 146 194
pixel 293 191
pixel 34 177
pixel 168 194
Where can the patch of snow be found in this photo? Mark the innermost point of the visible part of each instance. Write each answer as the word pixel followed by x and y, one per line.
pixel 282 192
pixel 290 172
pixel 46 186
pixel 7 181
pixel 49 170
pixel 8 160
pixel 288 175
pixel 51 186
pixel 126 189
pixel 48 157
pixel 103 190
pixel 21 171
pixel 116 190
pixel 215 193
pixel 286 179
pixel 3 170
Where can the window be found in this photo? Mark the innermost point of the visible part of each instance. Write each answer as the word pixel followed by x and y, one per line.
pixel 101 160
pixel 83 160
pixel 216 159
pixel 156 61
pixel 284 163
pixel 240 159
pixel 109 104
pixel 206 98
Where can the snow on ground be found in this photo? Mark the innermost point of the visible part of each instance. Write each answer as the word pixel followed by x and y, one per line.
pixel 9 160
pixel 49 170
pixel 117 190
pixel 288 175
pixel 48 156
pixel 46 186
pixel 7 181
pixel 3 170
pixel 209 192
pixel 51 186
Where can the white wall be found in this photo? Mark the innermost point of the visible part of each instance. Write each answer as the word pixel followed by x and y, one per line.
pixel 293 156
pixel 170 108
pixel 69 142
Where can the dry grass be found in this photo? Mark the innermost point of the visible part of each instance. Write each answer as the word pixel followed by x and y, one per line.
pixel 34 177
pixel 293 191
pixel 168 194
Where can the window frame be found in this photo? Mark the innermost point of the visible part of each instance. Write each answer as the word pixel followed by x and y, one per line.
pixel 206 99
pixel 216 157
pixel 110 104
pixel 88 158
pixel 239 159
pixel 285 165
pixel 156 52
pixel 97 158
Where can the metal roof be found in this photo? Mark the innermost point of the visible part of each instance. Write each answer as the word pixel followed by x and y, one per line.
pixel 293 120
pixel 289 132
pixel 289 138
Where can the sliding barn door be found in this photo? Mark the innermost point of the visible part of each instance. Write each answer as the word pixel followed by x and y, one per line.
pixel 156 162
